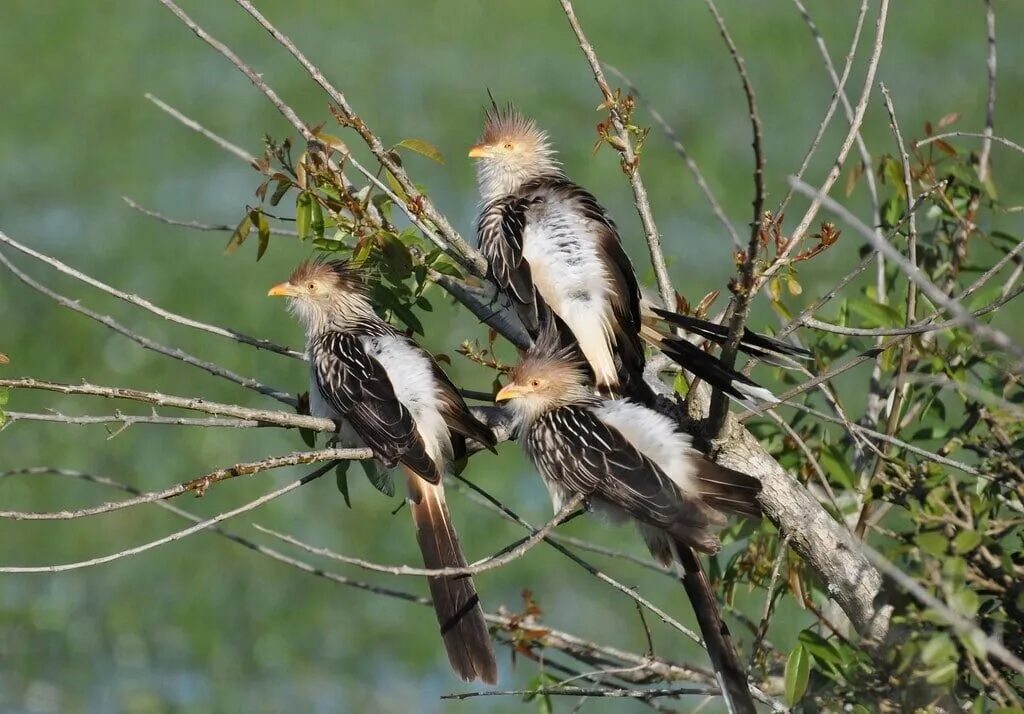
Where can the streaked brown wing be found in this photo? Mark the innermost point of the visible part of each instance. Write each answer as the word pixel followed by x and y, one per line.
pixel 500 231
pixel 574 448
pixel 357 386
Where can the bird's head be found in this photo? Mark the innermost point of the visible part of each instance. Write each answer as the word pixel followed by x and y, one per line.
pixel 547 377
pixel 321 292
pixel 511 152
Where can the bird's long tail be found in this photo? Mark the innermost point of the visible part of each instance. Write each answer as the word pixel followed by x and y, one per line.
pixel 708 368
pixel 455 599
pixel 729 670
pixel 767 349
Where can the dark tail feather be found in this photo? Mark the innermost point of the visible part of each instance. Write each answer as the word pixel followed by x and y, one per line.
pixel 728 669
pixel 455 599
pixel 767 349
pixel 709 368
pixel 727 490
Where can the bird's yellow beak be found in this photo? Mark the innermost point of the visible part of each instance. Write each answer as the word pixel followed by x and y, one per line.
pixel 479 151
pixel 281 290
pixel 510 391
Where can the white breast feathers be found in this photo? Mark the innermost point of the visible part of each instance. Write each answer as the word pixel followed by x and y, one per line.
pixel 412 378
pixel 569 275
pixel 656 437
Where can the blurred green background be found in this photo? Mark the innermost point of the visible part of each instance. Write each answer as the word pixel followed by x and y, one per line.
pixel 203 625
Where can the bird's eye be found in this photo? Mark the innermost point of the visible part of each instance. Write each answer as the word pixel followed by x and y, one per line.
pixel 311 286
pixel 534 383
pixel 508 146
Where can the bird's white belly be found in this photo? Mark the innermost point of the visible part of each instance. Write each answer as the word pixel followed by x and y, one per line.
pixel 412 378
pixel 569 276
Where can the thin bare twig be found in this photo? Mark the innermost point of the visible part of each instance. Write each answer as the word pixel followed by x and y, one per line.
pixel 937 296
pixel 588 692
pixel 677 144
pixel 755 122
pixel 971 134
pixel 630 161
pixel 264 416
pixel 145 342
pixel 838 82
pixel 198 225
pixel 178 535
pixel 984 159
pixel 507 555
pixel 199 128
pixel 127 420
pixel 147 305
pixel 960 624
pixel 197 485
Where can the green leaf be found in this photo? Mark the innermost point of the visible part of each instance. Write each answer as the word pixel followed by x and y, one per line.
pixel 396 187
pixel 933 543
pixel 945 674
pixel 819 647
pixel 938 650
pixel 798 673
pixel 279 191
pixel 966 541
pixel 303 214
pixel 341 480
pixel 422 147
pixel 317 220
pixel 876 314
pixel 239 235
pixel 263 229
pixel 837 465
pixel 378 477
pixel 396 256
pixel 4 396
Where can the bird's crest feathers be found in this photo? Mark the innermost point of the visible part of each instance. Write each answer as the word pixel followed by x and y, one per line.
pixel 508 124
pixel 344 275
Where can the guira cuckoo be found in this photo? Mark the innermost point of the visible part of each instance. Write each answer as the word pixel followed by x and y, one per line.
pixel 632 464
pixel 551 246
pixel 381 385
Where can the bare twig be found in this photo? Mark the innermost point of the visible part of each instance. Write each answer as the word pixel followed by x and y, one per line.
pixel 127 420
pixel 514 552
pixel 960 624
pixel 199 128
pixel 937 296
pixel 755 122
pixel 630 161
pixel 973 135
pixel 588 692
pixel 147 305
pixel 197 485
pixel 197 225
pixel 838 82
pixel 677 144
pixel 264 416
pixel 990 104
pixel 184 533
pixel 145 342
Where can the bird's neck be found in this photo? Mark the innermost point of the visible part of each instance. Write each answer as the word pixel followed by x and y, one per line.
pixel 356 318
pixel 495 181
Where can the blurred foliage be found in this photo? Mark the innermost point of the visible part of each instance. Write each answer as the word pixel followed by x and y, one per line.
pixel 203 626
pixel 959 534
